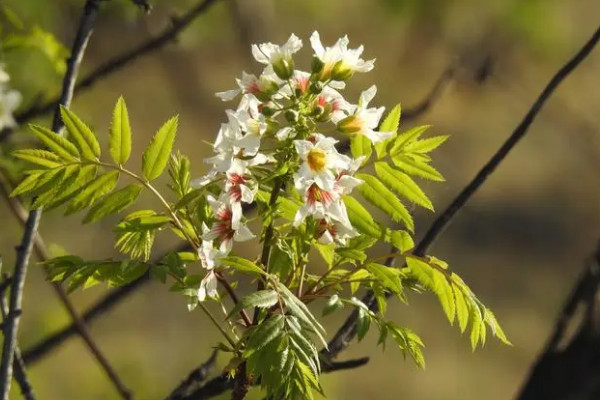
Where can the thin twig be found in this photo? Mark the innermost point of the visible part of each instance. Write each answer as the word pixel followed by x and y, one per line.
pixel 168 35
pixel 195 378
pixel 348 330
pixel 18 364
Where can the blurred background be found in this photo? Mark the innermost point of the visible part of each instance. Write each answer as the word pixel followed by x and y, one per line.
pixel 519 243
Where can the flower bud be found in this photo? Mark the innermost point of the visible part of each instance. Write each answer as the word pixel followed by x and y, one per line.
pixel 268 110
pixel 316 87
pixel 341 71
pixel 326 114
pixel 317 110
pixel 284 68
pixel 291 115
pixel 349 125
pixel 316 65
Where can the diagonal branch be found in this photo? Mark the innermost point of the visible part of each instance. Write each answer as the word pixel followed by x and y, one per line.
pixel 347 332
pixel 116 63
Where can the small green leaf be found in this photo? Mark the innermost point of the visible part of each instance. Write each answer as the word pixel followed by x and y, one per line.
pixel 157 155
pixel 414 166
pixel 360 146
pixel 389 124
pixel 27 184
pixel 400 240
pixel 333 304
pixel 120 133
pixel 81 134
pixel 402 184
pixel 55 142
pixel 93 191
pixel 426 145
pixel 43 158
pixel 260 299
pixel 443 290
pixel 242 265
pixel 113 203
pixel 381 197
pixel 361 219
pixel 462 310
pixel 362 324
pixel 389 277
pixel 406 138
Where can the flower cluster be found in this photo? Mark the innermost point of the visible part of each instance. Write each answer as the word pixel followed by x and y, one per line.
pixel 276 133
pixel 9 101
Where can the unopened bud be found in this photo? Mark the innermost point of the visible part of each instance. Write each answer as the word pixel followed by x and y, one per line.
pixel 341 72
pixel 318 110
pixel 316 65
pixel 316 87
pixel 284 68
pixel 268 110
pixel 291 116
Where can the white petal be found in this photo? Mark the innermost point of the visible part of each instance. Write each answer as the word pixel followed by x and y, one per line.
pixel 228 95
pixel 326 238
pixel 315 42
pixel 367 96
pixel 243 234
pixel 300 216
pixel 293 44
pixel 258 55
pixel 284 133
pixel 303 147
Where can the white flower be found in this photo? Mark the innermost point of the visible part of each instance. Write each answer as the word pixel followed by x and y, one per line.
pixel 238 185
pixel 9 101
pixel 228 226
pixel 363 120
pixel 262 87
pixel 332 231
pixel 320 158
pixel 208 286
pixel 339 62
pixel 280 57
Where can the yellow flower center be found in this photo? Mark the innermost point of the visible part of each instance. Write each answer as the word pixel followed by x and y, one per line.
pixel 316 159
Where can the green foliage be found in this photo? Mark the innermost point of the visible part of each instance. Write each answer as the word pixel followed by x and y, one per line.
pixel 156 156
pixel 120 134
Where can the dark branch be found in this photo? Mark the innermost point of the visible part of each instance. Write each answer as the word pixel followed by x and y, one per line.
pixel 115 64
pixel 194 379
pixel 18 364
pixel 347 332
pixel 569 366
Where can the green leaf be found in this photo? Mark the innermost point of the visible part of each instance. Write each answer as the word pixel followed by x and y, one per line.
pixel 260 299
pixel 242 265
pixel 417 167
pixel 93 191
pixel 333 304
pixel 27 184
pixel 400 240
pixel 402 184
pixel 81 134
pixel 55 142
pixel 39 157
pixel 298 309
pixel 389 277
pixel 362 324
pixel 421 271
pixel 443 290
pixel 360 145
pixel 72 185
pixel 462 310
pixel 389 124
pixel 120 133
pixel 113 203
pixel 406 138
pixel 426 145
pixel 327 252
pixel 380 196
pixel 497 331
pixel 157 155
pixel 361 219
pixel 264 333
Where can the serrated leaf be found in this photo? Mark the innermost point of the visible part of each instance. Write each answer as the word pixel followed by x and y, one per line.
pixel 416 167
pixel 389 124
pixel 157 155
pixel 421 271
pixel 360 146
pixel 381 197
pixel 260 299
pixel 426 145
pixel 327 252
pixel 443 290
pixel 361 219
pixel 406 138
pixel 462 310
pixel 27 184
pixel 55 142
pixel 476 326
pixel 495 327
pixel 82 135
pixel 120 133
pixel 387 276
pixel 333 304
pixel 93 191
pixel 71 186
pixel 113 203
pixel 264 333
pixel 43 158
pixel 401 240
pixel 242 265
pixel 402 184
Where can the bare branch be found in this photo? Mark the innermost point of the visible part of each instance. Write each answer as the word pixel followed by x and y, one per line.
pixel 194 379
pixel 116 63
pixel 18 364
pixel 347 332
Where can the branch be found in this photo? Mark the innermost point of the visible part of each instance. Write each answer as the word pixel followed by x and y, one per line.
pixel 18 364
pixel 195 378
pixel 84 32
pixel 347 332
pixel 571 370
pixel 221 383
pixel 116 63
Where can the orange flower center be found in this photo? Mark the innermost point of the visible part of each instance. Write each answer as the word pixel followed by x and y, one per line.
pixel 316 159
